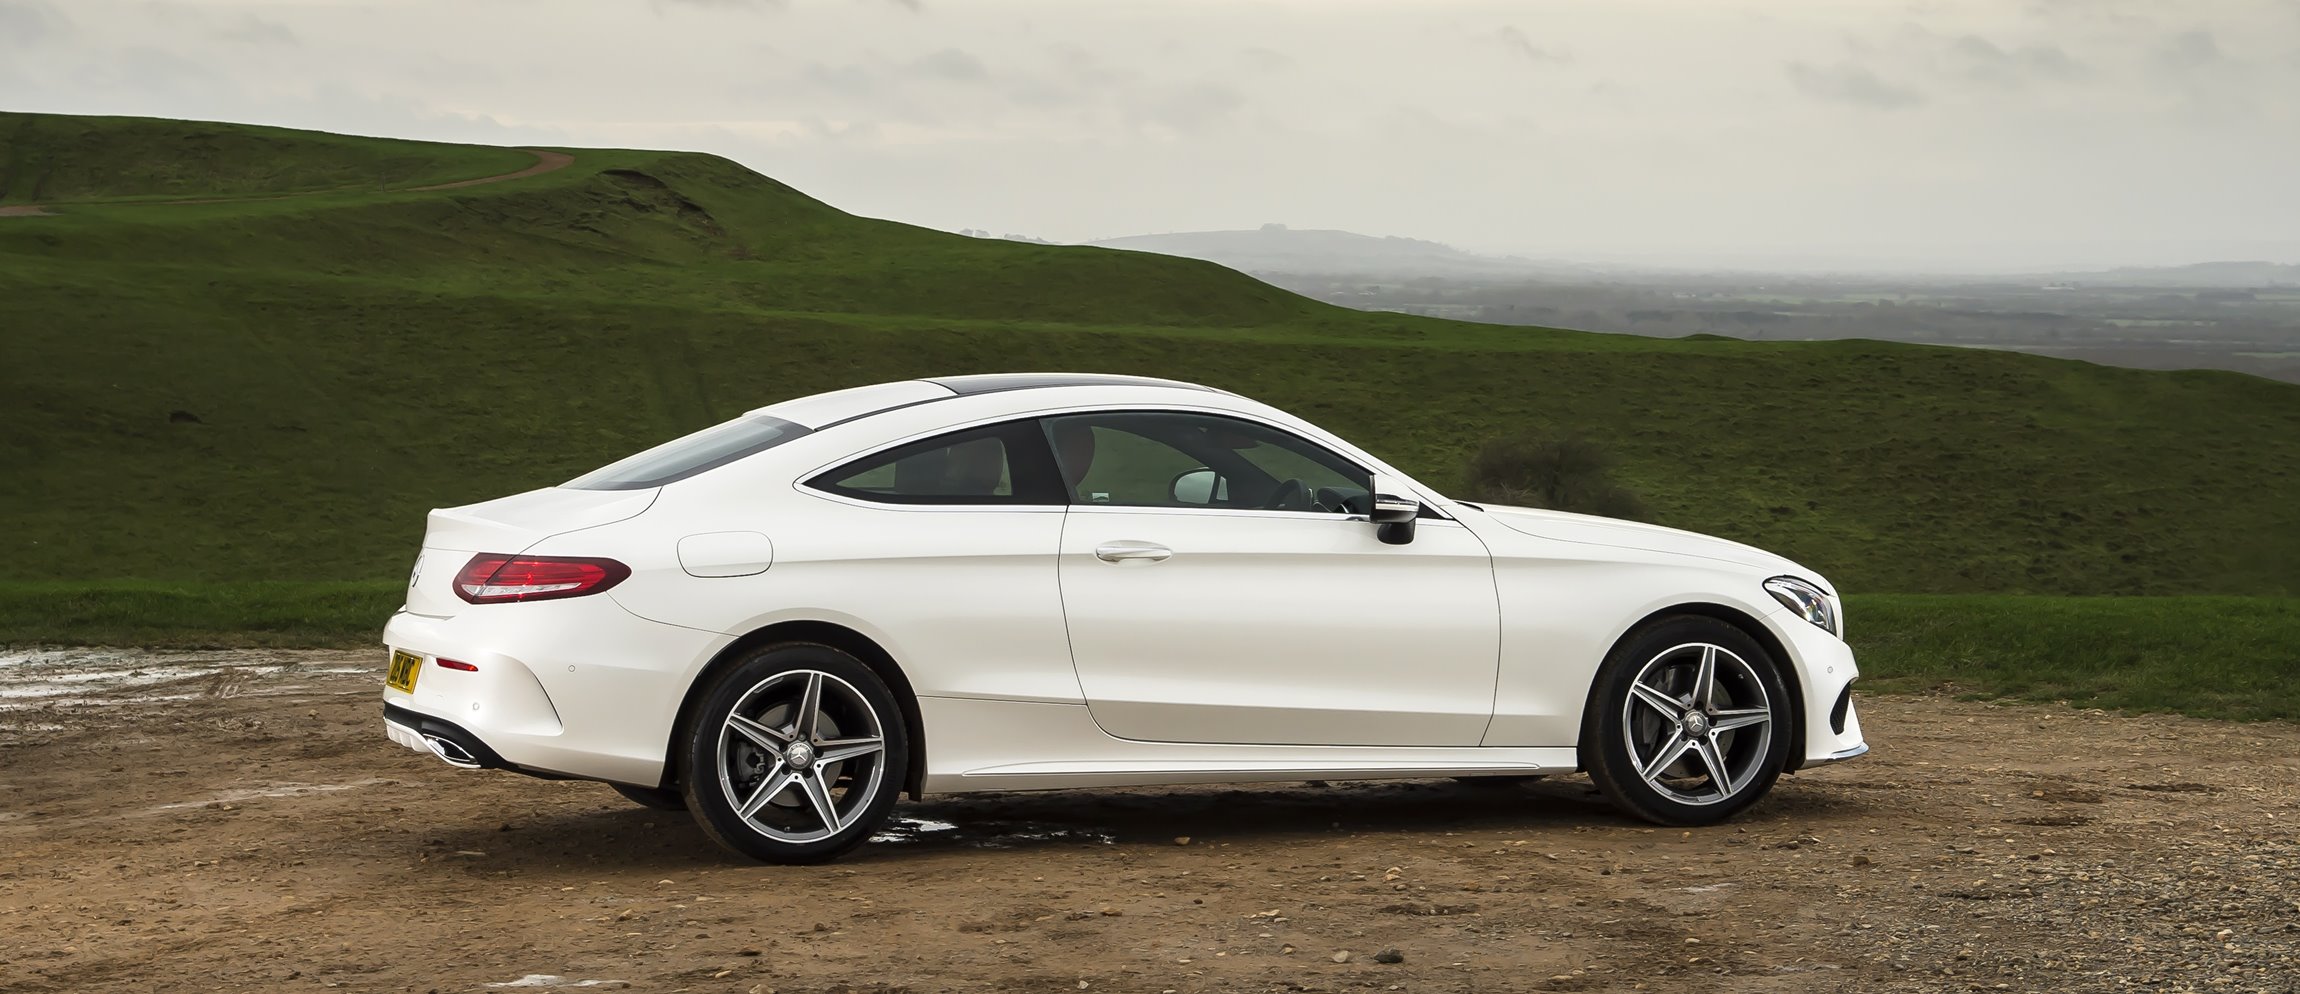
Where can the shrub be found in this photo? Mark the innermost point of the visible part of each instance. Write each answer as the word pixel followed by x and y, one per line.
pixel 1558 472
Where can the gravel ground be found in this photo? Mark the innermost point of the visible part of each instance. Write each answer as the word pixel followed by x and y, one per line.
pixel 190 821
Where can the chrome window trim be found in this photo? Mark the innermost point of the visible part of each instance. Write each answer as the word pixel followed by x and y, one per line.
pixel 799 482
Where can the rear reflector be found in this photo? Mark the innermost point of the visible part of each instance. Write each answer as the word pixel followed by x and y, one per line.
pixel 493 578
pixel 457 664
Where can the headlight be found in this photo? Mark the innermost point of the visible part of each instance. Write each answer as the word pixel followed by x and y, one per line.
pixel 1810 602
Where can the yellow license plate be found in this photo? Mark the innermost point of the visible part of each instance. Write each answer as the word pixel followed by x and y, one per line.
pixel 404 666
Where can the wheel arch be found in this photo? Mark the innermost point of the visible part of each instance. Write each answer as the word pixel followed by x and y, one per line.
pixel 832 634
pixel 1750 626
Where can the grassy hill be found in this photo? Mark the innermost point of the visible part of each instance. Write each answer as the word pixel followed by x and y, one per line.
pixel 346 357
pixel 47 158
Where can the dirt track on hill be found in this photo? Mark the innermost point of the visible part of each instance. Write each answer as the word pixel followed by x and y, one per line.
pixel 544 162
pixel 238 821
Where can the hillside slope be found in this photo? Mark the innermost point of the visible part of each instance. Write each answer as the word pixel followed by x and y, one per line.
pixel 50 158
pixel 278 388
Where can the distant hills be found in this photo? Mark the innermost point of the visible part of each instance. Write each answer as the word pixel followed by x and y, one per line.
pixel 1278 249
pixel 2202 274
pixel 1275 248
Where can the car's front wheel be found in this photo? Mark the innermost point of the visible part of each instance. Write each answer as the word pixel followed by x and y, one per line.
pixel 1688 722
pixel 795 754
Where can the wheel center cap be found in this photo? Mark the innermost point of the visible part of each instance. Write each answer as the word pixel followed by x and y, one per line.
pixel 1696 723
pixel 800 755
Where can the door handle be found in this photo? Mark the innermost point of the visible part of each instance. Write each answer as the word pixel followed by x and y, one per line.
pixel 1123 552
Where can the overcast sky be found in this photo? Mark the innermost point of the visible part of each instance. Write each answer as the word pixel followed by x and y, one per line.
pixel 1935 134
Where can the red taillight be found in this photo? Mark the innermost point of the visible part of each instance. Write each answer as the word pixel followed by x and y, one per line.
pixel 494 578
pixel 457 664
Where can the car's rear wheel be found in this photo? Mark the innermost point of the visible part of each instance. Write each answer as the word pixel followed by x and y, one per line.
pixel 795 754
pixel 659 798
pixel 1688 722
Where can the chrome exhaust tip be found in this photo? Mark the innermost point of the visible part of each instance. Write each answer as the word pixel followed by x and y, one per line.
pixel 451 753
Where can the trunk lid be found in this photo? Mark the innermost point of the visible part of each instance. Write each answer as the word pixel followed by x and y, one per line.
pixel 508 525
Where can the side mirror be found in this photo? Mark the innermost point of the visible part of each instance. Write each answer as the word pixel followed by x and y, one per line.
pixel 1394 511
pixel 1199 486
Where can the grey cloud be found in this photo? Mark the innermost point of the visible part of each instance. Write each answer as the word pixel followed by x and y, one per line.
pixel 914 6
pixel 156 71
pixel 847 80
pixel 2190 50
pixel 660 5
pixel 879 78
pixel 25 23
pixel 254 30
pixel 1266 60
pixel 950 64
pixel 395 114
pixel 1846 82
pixel 1190 108
pixel 1516 41
pixel 1985 61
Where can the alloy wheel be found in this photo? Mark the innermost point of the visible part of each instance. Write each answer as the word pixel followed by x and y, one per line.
pixel 801 756
pixel 1698 723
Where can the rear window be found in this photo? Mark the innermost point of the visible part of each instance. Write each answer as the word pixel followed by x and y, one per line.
pixel 681 458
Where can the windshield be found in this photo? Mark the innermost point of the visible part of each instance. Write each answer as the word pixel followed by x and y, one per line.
pixel 681 458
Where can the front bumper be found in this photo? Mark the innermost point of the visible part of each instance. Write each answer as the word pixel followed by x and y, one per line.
pixel 1826 672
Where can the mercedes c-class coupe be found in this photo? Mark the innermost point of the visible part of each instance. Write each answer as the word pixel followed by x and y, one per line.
pixel 1028 581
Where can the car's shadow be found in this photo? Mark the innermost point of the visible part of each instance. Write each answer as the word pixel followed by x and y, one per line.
pixel 615 836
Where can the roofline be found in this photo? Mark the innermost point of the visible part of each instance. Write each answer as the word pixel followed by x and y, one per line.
pixel 1003 382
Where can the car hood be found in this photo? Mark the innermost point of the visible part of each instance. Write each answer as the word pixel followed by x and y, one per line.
pixel 1612 532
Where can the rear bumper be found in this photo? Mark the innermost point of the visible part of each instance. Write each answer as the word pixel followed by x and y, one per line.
pixel 452 743
pixel 577 688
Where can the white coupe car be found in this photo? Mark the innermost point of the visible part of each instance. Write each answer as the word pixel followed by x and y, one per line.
pixel 1016 582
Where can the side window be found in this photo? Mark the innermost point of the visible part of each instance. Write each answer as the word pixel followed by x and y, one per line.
pixel 998 464
pixel 1171 459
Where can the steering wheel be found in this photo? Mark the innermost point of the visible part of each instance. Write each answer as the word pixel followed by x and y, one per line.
pixel 1288 494
pixel 1332 499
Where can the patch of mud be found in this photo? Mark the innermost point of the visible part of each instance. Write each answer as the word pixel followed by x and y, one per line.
pixel 25 210
pixel 38 678
pixel 984 834
pixel 553 980
pixel 277 790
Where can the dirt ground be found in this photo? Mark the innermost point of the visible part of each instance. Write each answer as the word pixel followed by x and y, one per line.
pixel 237 821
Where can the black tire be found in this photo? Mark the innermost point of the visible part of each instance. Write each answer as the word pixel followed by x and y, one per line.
pixel 1666 657
pixel 659 798
pixel 728 765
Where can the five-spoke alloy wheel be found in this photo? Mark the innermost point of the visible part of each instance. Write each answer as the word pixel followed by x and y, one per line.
pixel 1688 723
pixel 795 755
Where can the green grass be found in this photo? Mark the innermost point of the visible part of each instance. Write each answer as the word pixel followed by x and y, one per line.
pixel 333 614
pixel 2212 657
pixel 47 158
pixel 356 355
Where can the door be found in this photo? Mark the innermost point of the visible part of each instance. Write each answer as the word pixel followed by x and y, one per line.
pixel 1221 584
pixel 947 546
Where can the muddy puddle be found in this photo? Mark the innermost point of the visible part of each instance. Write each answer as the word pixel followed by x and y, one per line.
pixel 40 678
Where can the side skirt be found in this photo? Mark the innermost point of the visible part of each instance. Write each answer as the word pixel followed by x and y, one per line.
pixel 1009 745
